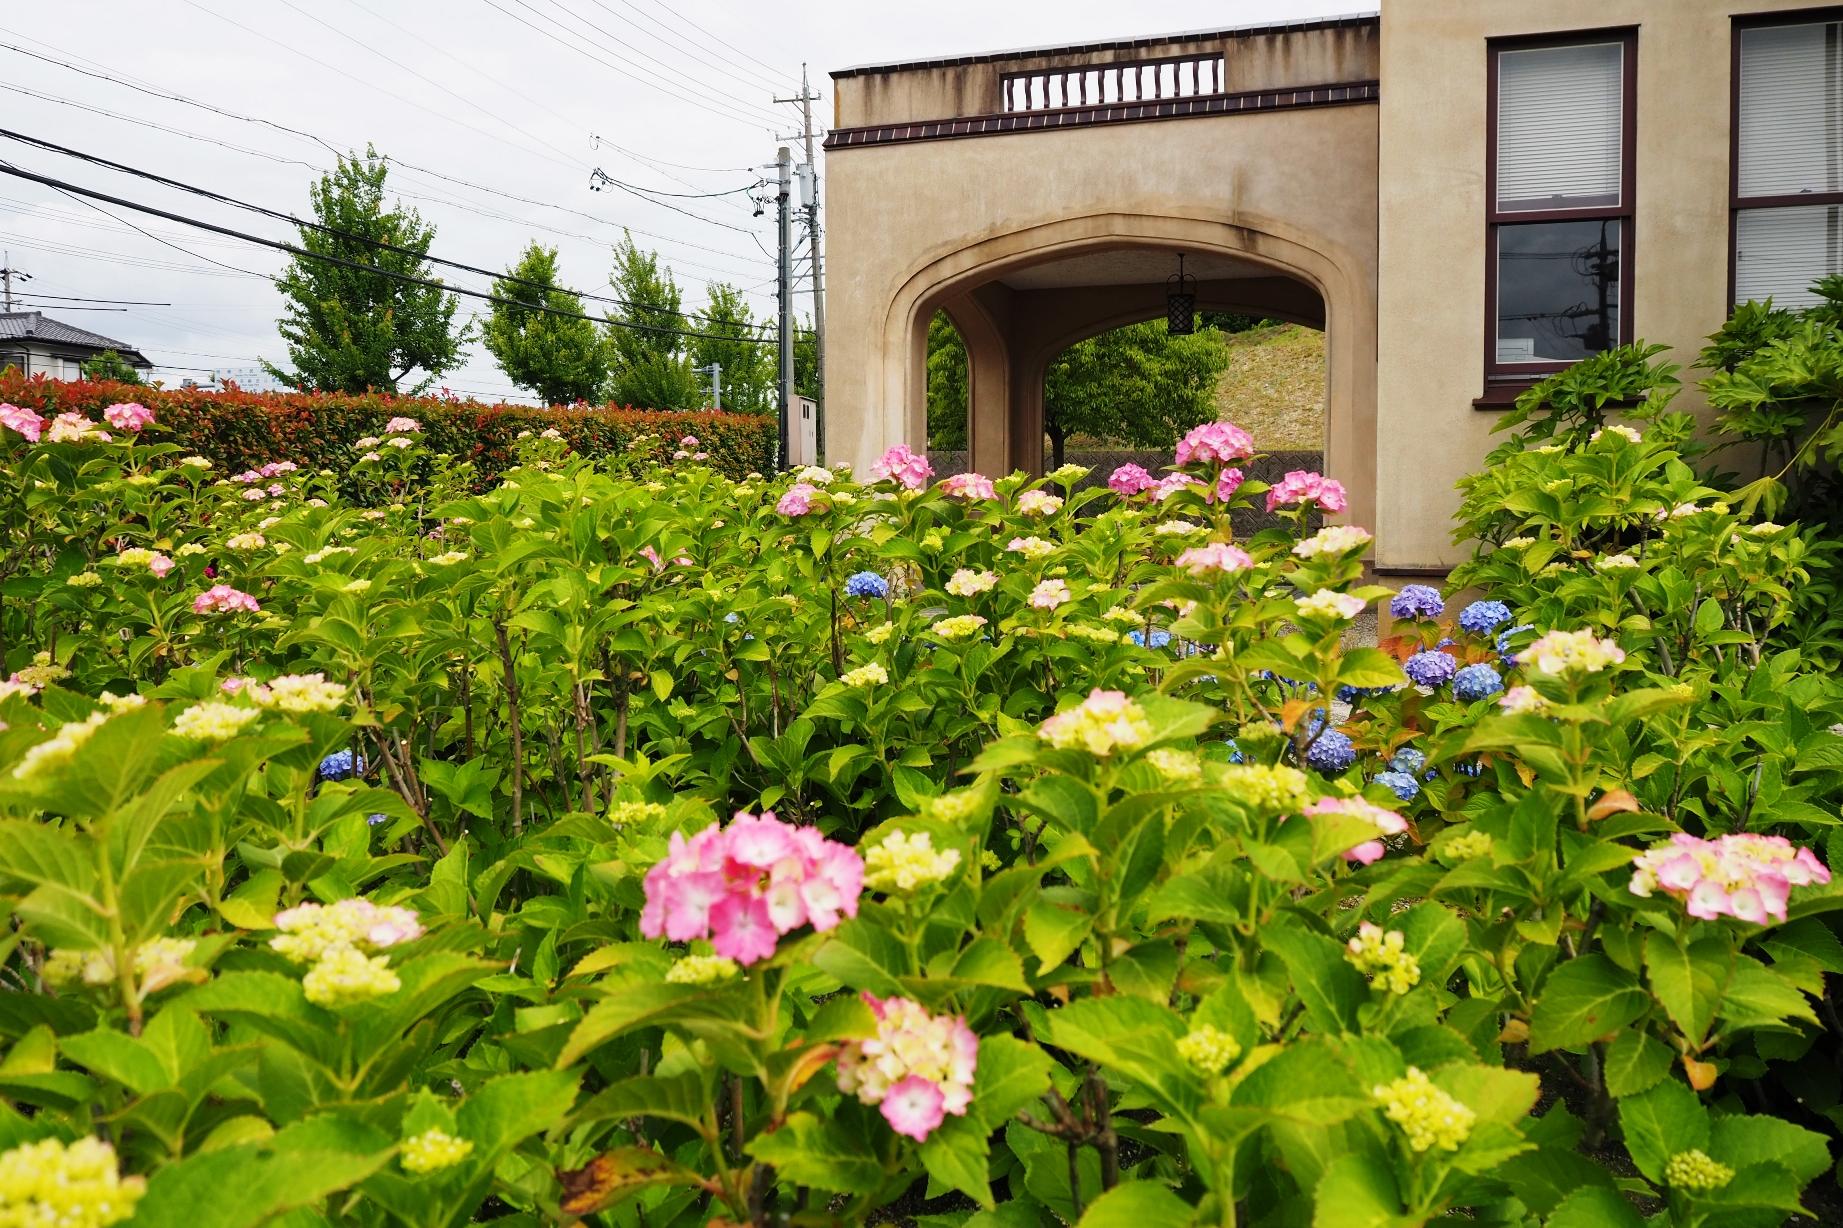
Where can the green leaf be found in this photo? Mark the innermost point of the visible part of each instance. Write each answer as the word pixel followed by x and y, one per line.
pixel 957 1154
pixel 1358 1191
pixel 1326 983
pixel 1138 1204
pixel 1306 1082
pixel 1660 1123
pixel 825 1155
pixel 1054 931
pixel 1369 667
pixel 1581 1001
pixel 255 1182
pixel 1011 1074
pixel 1544 1178
pixel 505 1111
pixel 1636 1061
pixel 1688 981
pixel 1135 1039
pixel 1758 997
pixel 1743 1141
pixel 1595 1207
pixel 650 1004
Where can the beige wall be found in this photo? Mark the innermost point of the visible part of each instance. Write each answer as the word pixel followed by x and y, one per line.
pixel 919 226
pixel 1432 225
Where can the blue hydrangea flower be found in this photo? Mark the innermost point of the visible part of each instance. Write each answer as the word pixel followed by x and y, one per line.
pixel 1235 755
pixel 341 765
pixel 1475 682
pixel 1470 769
pixel 1402 785
pixel 732 617
pixel 1417 601
pixel 1160 637
pixel 1331 753
pixel 1484 617
pixel 375 819
pixel 1407 759
pixel 1355 694
pixel 867 584
pixel 1432 668
pixel 1503 642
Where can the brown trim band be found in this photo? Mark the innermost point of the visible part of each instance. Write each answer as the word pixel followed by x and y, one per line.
pixel 1340 94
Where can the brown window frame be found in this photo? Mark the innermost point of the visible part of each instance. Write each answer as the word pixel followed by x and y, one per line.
pixel 1504 381
pixel 1736 202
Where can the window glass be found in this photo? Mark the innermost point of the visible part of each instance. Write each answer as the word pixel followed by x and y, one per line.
pixel 1557 290
pixel 1559 127
pixel 1791 110
pixel 1778 253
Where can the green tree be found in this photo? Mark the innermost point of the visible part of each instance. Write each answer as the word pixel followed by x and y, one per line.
pixel 350 329
pixel 946 384
pixel 109 365
pixel 560 359
pixel 1135 385
pixel 748 366
pixel 649 366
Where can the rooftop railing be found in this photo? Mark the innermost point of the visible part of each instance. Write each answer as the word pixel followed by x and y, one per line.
pixel 1051 89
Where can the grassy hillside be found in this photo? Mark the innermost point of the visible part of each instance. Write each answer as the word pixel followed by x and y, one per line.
pixel 1275 386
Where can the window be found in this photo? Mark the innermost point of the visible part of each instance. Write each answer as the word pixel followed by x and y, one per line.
pixel 1559 206
pixel 1788 158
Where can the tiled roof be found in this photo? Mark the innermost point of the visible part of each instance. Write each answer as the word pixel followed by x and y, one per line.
pixel 1123 44
pixel 37 326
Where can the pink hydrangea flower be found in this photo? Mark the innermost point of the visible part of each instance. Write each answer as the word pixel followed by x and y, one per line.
pixel 652 556
pixel 223 599
pixel 914 1107
pixel 910 469
pixel 1218 442
pixel 1130 480
pixel 1741 875
pixel 1302 486
pixel 968 486
pixel 18 418
pixel 918 1068
pixel 744 886
pixel 275 468
pixel 160 565
pixel 798 500
pixel 1049 594
pixel 402 426
pixel 1215 556
pixel 128 416
pixel 1386 821
pixel 688 441
pixel 74 428
pixel 1227 483
pixel 1170 484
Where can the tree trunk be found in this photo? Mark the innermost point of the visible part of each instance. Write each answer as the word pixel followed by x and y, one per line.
pixel 1057 439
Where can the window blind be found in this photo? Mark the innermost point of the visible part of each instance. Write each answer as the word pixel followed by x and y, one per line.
pixel 1559 112
pixel 1791 112
pixel 1780 252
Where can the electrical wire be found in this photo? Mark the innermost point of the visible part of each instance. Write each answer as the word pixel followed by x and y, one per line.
pixel 300 223
pixel 394 161
pixel 77 298
pixel 360 266
pixel 722 112
pixel 683 20
pixel 693 51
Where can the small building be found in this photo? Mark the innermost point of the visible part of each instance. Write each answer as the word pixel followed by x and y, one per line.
pixel 40 345
pixel 1466 195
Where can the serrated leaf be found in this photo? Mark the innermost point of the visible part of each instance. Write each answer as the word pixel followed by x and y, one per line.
pixel 1138 1204
pixel 1636 1061
pixel 824 1155
pixel 1581 1001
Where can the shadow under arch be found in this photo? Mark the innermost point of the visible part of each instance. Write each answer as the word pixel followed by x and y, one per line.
pixel 1009 350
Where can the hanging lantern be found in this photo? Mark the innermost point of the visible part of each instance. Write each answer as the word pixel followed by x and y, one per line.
pixel 1180 302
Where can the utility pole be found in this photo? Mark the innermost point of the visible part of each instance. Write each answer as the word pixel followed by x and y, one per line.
pixel 715 371
pixel 784 198
pixel 7 274
pixel 810 182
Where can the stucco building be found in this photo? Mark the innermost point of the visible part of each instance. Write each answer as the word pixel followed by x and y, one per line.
pixel 1464 194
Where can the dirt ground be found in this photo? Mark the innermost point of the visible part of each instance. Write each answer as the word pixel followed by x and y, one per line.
pixel 1275 386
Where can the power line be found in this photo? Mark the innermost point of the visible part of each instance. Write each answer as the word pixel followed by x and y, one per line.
pixel 681 18
pixel 693 51
pixel 77 298
pixel 394 161
pixel 300 223
pixel 360 266
pixel 722 112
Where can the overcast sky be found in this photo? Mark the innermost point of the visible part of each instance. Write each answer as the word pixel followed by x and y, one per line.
pixel 517 98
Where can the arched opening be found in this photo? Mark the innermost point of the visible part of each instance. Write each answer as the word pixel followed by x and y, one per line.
pixel 949 405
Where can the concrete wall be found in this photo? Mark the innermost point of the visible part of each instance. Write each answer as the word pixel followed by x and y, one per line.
pixel 1251 61
pixel 916 226
pixel 1432 225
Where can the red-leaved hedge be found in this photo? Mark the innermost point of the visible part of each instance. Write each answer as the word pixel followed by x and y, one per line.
pixel 242 430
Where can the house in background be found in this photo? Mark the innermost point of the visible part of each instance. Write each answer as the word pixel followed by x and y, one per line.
pixel 40 345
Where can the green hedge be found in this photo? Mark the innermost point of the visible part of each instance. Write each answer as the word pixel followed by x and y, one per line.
pixel 241 430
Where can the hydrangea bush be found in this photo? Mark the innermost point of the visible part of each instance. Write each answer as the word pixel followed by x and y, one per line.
pixel 667 848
